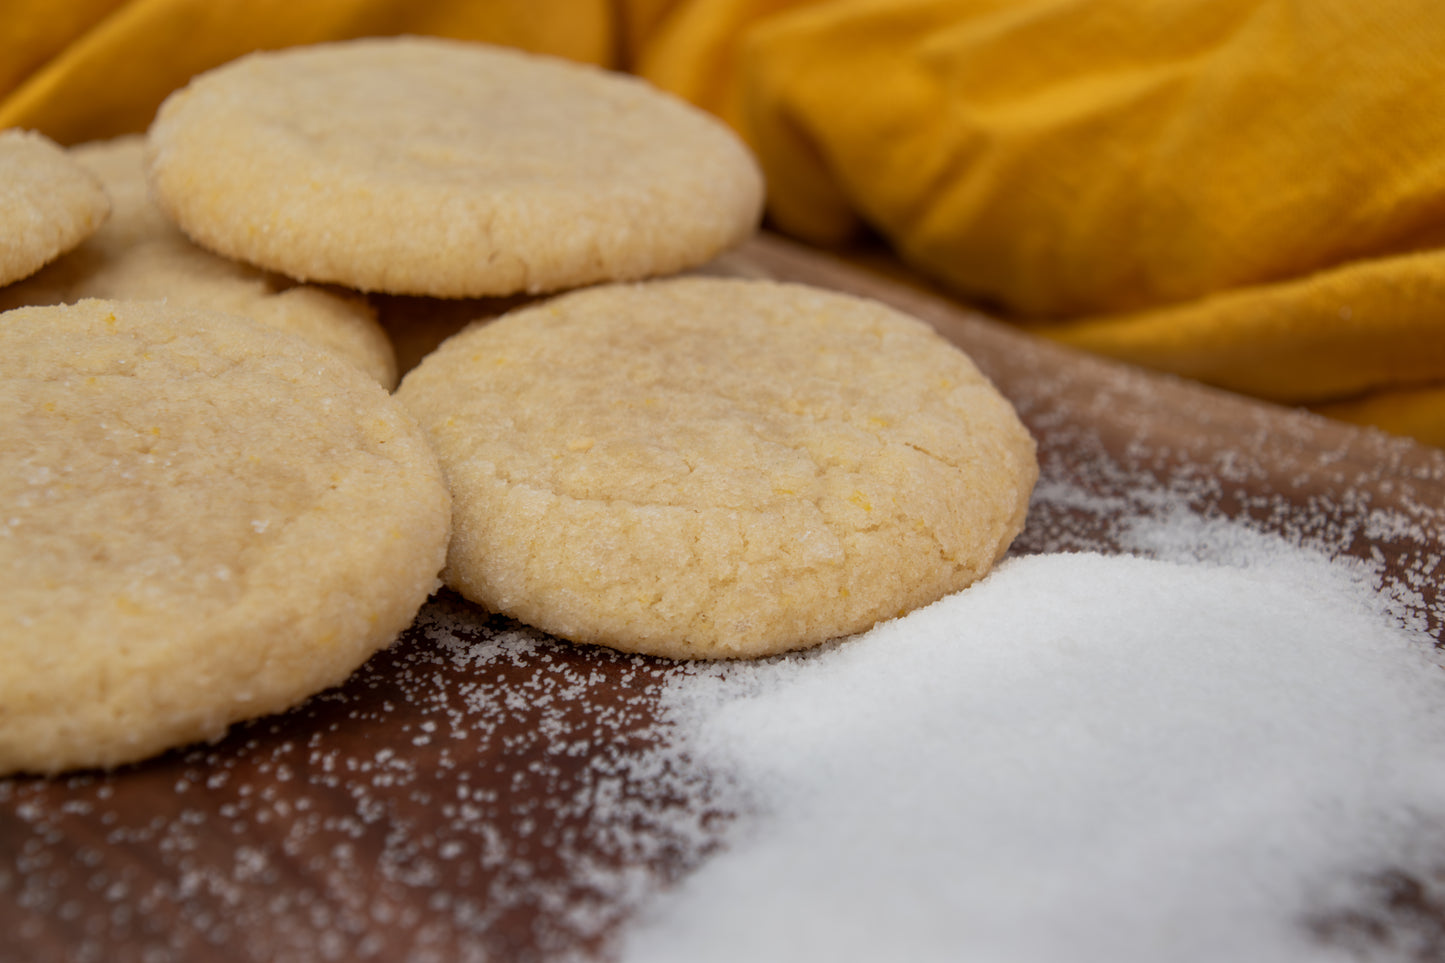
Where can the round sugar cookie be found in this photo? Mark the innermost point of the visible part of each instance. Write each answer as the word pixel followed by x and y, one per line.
pixel 48 203
pixel 204 521
pixel 703 468
pixel 138 254
pixel 425 166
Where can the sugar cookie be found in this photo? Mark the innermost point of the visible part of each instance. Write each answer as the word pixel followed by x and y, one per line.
pixel 204 521
pixel 140 255
pixel 717 468
pixel 48 203
pixel 426 166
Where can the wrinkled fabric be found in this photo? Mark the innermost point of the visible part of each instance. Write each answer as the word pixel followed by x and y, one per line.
pixel 1246 192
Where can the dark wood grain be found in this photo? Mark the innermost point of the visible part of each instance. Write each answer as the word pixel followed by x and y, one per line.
pixel 445 806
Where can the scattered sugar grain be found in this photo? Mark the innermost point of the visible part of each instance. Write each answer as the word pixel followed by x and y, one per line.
pixel 1108 758
pixel 1184 757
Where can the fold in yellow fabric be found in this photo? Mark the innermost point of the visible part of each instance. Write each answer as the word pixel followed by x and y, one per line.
pixel 1247 192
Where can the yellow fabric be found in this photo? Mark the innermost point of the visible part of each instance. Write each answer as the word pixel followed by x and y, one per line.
pixel 694 50
pixel 1249 192
pixel 36 30
pixel 1412 412
pixel 1364 325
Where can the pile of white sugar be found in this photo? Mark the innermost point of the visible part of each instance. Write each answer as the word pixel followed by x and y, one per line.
pixel 1191 756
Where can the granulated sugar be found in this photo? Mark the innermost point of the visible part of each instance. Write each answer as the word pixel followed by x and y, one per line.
pixel 1193 756
pixel 1221 747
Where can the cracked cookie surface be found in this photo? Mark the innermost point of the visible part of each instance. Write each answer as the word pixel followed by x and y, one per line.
pixel 703 468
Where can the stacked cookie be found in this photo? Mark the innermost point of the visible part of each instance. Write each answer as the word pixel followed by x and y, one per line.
pixel 139 254
pixel 211 516
pixel 210 505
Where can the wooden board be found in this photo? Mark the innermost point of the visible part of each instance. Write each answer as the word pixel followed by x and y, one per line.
pixel 447 804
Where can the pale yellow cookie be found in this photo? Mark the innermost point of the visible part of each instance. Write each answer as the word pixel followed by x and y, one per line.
pixel 428 166
pixel 717 468
pixel 140 255
pixel 203 521
pixel 48 203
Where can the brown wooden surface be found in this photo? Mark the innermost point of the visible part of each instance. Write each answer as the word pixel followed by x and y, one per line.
pixel 436 808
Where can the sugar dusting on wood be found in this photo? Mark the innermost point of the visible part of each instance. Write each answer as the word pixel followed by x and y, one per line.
pixel 477 789
pixel 480 791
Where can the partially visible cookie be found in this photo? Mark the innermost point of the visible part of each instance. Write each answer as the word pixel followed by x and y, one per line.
pixel 702 468
pixel 48 203
pixel 140 255
pixel 426 166
pixel 204 521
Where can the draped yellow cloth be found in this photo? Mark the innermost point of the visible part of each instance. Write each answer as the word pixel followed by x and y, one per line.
pixel 1247 192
